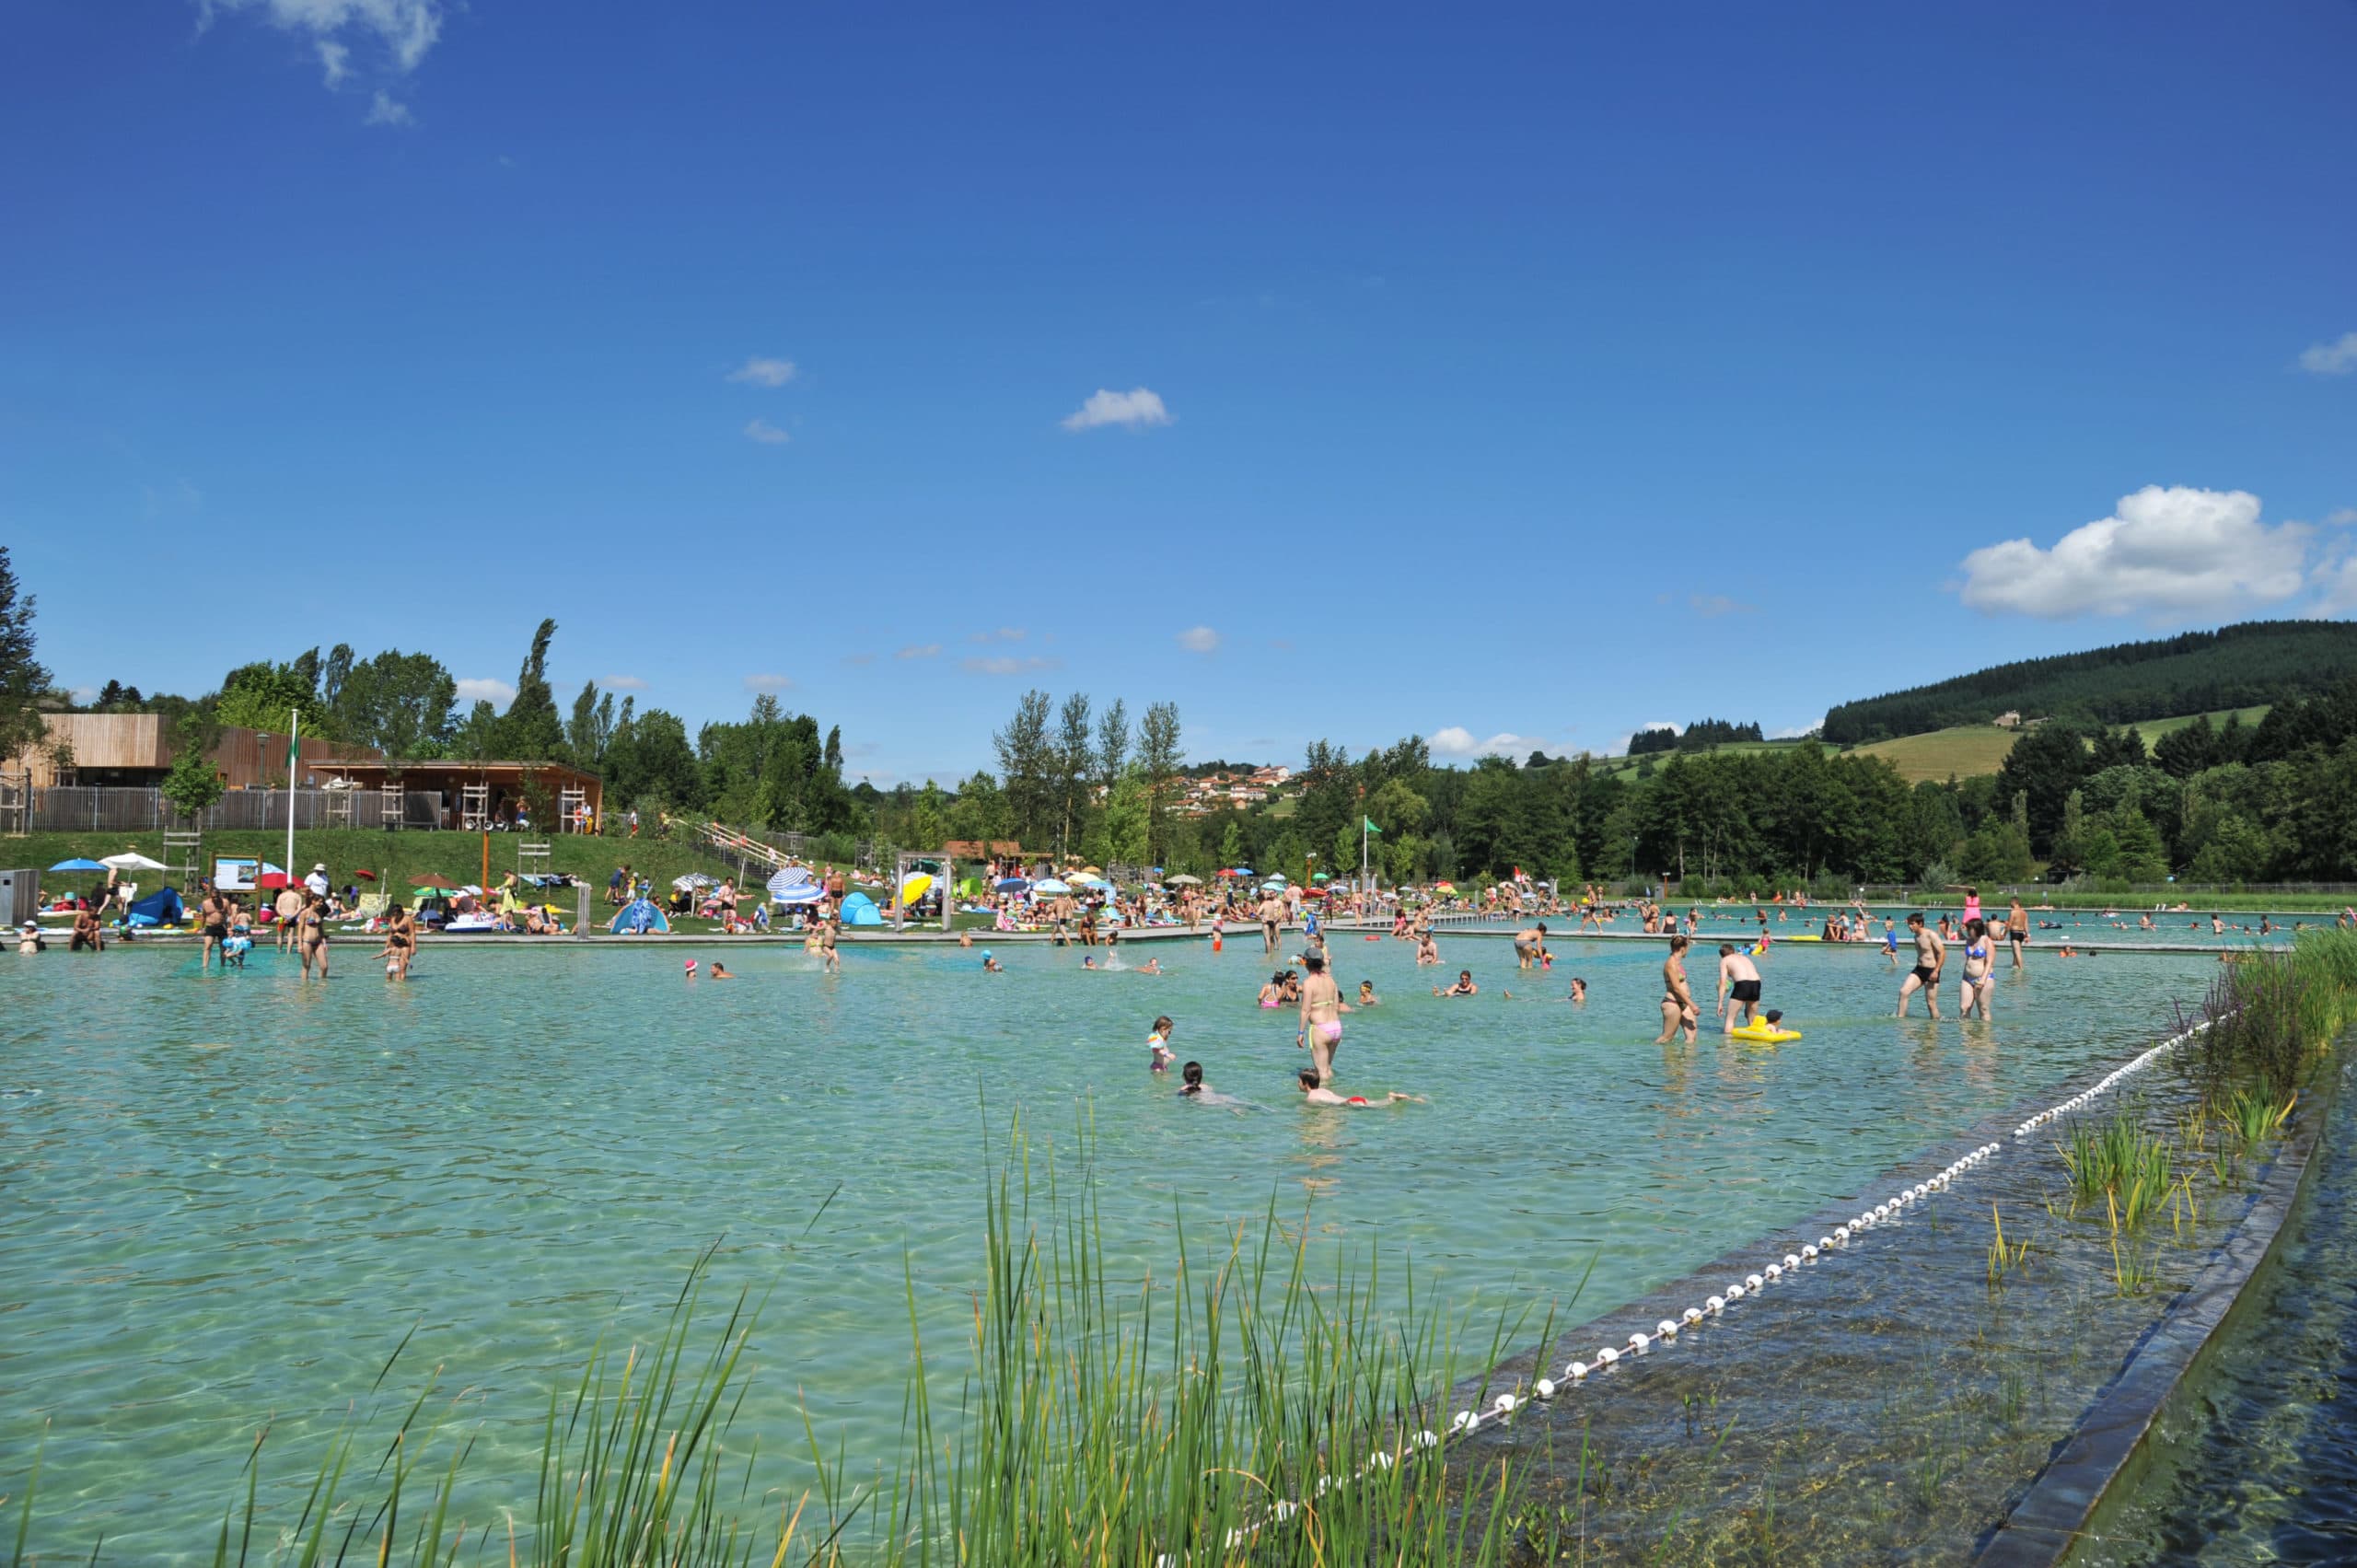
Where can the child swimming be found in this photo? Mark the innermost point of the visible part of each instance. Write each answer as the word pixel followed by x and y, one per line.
pixel 1157 1044
pixel 1315 1093
pixel 1368 998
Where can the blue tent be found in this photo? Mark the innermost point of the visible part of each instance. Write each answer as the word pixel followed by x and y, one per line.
pixel 860 909
pixel 160 908
pixel 637 918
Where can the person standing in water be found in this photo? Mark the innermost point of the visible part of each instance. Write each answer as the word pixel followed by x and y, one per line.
pixel 1678 1009
pixel 1738 984
pixel 311 935
pixel 2017 927
pixel 1272 914
pixel 1979 959
pixel 1321 1016
pixel 1931 956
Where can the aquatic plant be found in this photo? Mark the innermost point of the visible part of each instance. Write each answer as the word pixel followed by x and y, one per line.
pixel 2121 1163
pixel 2004 1257
pixel 2252 1118
pixel 2269 1015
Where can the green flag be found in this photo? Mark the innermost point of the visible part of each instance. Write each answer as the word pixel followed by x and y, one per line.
pixel 1371 827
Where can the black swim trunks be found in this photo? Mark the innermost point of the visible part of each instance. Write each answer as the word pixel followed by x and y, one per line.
pixel 1923 973
pixel 1745 991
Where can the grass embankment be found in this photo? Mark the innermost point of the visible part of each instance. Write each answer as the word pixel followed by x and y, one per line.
pixel 1234 1412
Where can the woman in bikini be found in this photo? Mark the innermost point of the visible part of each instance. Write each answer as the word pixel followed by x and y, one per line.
pixel 1980 985
pixel 311 935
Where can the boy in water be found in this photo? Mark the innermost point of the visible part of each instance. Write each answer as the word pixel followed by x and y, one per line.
pixel 1368 998
pixel 1160 1056
pixel 1931 956
pixel 1316 1092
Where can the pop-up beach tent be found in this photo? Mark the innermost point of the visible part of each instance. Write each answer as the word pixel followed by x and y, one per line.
pixel 637 918
pixel 160 908
pixel 860 909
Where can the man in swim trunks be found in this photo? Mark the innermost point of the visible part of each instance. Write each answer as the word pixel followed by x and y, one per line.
pixel 285 908
pixel 1271 911
pixel 1931 956
pixel 213 923
pixel 1527 944
pixel 1316 1092
pixel 830 961
pixel 1738 984
pixel 1321 1015
pixel 1678 1009
pixel 87 932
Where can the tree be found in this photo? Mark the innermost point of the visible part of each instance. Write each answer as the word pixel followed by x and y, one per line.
pixel 649 764
pixel 1075 762
pixel 1112 744
pixel 530 730
pixel 266 696
pixel 192 784
pixel 1160 755
pixel 1024 762
pixel 477 739
pixel 2141 857
pixel 591 729
pixel 2045 764
pixel 334 674
pixel 400 703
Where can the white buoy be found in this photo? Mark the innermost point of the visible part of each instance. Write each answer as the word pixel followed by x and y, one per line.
pixel 1717 1304
pixel 1841 1233
pixel 1608 1355
pixel 1638 1343
pixel 1504 1404
pixel 1665 1330
pixel 1791 1259
pixel 1578 1369
pixel 1775 1270
pixel 1544 1388
pixel 1809 1251
pixel 1427 1439
pixel 1464 1422
pixel 1692 1314
pixel 1735 1293
pixel 1754 1281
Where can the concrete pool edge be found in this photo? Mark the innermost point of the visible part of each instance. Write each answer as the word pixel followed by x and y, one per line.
pixel 2095 1467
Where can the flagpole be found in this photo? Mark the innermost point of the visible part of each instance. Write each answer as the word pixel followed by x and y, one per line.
pixel 294 734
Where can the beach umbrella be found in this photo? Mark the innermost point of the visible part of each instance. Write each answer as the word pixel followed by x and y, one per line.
pixel 695 880
pixel 270 879
pixel 1051 886
pixel 1087 871
pixel 795 893
pixel 1182 880
pixel 1321 876
pixel 1010 884
pixel 1087 880
pixel 915 886
pixel 435 882
pixel 787 880
pixel 365 876
pixel 131 860
pixel 79 866
pixel 423 891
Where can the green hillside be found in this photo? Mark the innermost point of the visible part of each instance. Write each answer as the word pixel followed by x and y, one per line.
pixel 2257 663
pixel 1967 750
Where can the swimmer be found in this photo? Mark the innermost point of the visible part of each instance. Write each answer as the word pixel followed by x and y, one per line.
pixel 1088 963
pixel 991 964
pixel 1579 990
pixel 691 969
pixel 1270 992
pixel 720 970
pixel 1678 1008
pixel 1192 1079
pixel 1368 998
pixel 1316 1092
pixel 1427 948
pixel 1527 944
pixel 1738 984
pixel 1464 986
pixel 966 938
pixel 1931 956
pixel 1321 1022
pixel 1160 1056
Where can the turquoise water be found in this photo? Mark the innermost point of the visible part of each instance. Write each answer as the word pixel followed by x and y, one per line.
pixel 224 1200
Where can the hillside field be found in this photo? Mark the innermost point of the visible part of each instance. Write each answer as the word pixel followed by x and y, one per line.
pixel 1974 748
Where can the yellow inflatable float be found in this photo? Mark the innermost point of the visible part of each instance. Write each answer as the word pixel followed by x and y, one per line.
pixel 1762 1033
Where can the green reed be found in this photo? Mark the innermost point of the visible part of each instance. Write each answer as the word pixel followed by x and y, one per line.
pixel 2270 1014
pixel 2121 1163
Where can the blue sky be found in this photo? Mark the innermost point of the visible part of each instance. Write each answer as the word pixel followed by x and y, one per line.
pixel 1530 373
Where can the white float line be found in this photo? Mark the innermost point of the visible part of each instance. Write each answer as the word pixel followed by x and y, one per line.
pixel 1466 1421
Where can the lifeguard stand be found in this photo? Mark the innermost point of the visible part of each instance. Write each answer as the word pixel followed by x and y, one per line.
pixel 570 801
pixel 531 859
pixel 339 808
pixel 474 807
pixel 389 808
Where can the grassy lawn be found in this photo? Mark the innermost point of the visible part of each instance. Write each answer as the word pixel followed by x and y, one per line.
pixel 1628 766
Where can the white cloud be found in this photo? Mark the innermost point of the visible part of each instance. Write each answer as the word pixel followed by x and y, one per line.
pixel 2335 358
pixel 1008 665
pixel 768 435
pixel 2163 552
pixel 624 683
pixel 334 61
pixel 498 693
pixel 1455 740
pixel 2341 518
pixel 1795 731
pixel 769 682
pixel 2336 589
pixel 407 28
pixel 1003 634
pixel 920 650
pixel 1717 604
pixel 383 109
pixel 759 372
pixel 1198 640
pixel 1133 410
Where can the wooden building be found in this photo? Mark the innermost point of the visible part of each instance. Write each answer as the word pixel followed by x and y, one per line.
pixel 137 751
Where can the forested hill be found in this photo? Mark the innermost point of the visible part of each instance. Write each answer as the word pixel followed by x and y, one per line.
pixel 2235 667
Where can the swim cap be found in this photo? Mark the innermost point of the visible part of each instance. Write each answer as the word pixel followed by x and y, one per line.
pixel 691 965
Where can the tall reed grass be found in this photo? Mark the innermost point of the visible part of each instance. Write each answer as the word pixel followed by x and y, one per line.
pixel 2272 1015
